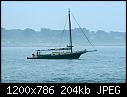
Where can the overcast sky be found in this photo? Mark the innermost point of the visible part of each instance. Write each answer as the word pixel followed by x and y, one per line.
pixel 93 15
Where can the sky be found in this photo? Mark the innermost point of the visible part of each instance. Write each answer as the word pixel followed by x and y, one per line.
pixel 93 15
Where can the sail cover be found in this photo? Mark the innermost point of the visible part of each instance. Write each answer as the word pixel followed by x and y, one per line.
pixel 67 48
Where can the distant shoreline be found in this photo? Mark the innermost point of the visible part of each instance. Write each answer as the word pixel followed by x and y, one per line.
pixel 63 46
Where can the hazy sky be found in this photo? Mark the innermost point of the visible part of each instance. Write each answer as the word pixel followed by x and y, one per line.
pixel 93 15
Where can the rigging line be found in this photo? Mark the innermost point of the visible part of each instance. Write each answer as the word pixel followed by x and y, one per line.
pixel 84 33
pixel 64 27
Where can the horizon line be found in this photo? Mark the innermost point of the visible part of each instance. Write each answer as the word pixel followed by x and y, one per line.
pixel 58 29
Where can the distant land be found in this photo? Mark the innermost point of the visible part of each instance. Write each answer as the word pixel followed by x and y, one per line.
pixel 49 37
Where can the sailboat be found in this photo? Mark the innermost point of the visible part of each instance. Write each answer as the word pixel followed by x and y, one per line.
pixel 59 53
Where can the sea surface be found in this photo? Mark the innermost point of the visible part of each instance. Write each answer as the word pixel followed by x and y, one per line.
pixel 107 65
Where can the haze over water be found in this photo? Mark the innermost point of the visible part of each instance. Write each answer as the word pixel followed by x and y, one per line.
pixel 25 29
pixel 107 65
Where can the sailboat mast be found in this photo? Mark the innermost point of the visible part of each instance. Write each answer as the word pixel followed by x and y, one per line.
pixel 70 30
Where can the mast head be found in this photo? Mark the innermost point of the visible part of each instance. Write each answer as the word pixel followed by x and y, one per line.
pixel 68 9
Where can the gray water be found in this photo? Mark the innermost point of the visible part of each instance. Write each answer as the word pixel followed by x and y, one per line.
pixel 107 65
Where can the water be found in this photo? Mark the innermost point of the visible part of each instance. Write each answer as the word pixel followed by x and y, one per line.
pixel 107 65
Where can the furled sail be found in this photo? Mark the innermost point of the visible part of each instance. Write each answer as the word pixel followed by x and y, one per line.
pixel 67 48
